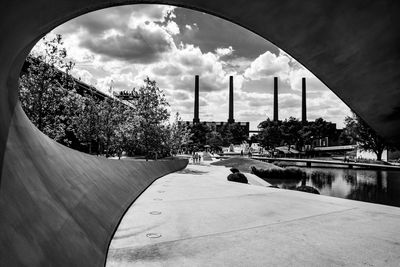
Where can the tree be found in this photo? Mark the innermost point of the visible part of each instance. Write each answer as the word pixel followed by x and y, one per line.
pixel 112 128
pixel 47 90
pixel 199 132
pixel 366 137
pixel 49 98
pixel 322 128
pixel 345 138
pixel 306 134
pixel 151 108
pixel 130 132
pixel 179 133
pixel 271 134
pixel 214 140
pixel 124 127
pixel 291 132
pixel 313 130
pixel 87 122
pixel 233 133
pixel 166 146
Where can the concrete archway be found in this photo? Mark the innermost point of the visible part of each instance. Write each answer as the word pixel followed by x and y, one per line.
pixel 53 213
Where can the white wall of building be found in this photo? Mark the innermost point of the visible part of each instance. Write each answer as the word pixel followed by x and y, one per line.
pixel 371 155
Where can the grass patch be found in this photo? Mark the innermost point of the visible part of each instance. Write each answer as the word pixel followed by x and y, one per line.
pixel 244 164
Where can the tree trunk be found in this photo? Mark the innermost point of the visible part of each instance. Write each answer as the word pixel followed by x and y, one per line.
pixel 107 148
pixel 379 155
pixel 40 111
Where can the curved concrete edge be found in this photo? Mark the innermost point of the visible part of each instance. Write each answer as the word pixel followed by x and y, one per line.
pixel 60 207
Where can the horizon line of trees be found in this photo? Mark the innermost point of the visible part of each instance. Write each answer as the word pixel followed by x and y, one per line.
pixel 294 133
pixel 85 122
pixel 297 134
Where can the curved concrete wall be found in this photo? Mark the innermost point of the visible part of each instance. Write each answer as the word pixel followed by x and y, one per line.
pixel 60 207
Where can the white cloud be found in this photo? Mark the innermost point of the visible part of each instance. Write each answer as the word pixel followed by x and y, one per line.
pixel 144 14
pixel 172 28
pixel 84 75
pixel 142 45
pixel 268 65
pixel 221 51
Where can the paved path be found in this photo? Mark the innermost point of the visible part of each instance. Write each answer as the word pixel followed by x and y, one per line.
pixel 196 218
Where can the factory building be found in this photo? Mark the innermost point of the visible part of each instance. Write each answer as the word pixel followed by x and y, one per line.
pixel 217 125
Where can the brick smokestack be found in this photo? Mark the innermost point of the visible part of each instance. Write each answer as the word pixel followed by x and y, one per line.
pixel 196 100
pixel 275 98
pixel 303 100
pixel 231 119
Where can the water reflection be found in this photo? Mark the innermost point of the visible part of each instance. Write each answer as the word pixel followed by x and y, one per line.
pixel 381 187
pixel 321 179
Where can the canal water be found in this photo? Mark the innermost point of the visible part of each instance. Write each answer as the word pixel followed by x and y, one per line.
pixel 376 186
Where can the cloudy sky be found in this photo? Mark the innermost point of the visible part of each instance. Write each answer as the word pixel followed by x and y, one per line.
pixel 171 45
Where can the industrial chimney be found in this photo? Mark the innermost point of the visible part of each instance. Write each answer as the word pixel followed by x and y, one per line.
pixel 275 98
pixel 196 100
pixel 303 101
pixel 231 119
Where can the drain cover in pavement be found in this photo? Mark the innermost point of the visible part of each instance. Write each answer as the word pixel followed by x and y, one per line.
pixel 155 212
pixel 153 235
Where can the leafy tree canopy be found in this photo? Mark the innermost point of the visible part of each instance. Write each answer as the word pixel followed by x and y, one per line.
pixel 47 91
pixel 365 136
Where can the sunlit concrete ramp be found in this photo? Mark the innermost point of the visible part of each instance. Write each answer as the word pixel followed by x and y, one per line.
pixel 195 217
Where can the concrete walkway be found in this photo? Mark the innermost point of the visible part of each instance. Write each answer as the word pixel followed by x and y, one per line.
pixel 195 217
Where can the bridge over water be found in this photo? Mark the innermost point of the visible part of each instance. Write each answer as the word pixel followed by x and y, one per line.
pixel 319 162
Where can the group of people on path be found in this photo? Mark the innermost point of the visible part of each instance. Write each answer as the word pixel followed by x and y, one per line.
pixel 249 154
pixel 196 158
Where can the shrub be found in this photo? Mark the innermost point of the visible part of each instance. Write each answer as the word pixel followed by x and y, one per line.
pixel 289 173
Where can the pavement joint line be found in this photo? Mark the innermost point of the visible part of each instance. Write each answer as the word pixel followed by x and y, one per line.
pixel 242 229
pixel 139 203
pixel 242 195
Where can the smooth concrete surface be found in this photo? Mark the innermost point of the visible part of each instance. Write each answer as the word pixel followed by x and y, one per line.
pixel 58 206
pixel 195 217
